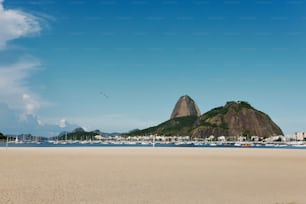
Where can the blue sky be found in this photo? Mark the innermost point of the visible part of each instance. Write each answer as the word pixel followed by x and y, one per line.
pixel 143 55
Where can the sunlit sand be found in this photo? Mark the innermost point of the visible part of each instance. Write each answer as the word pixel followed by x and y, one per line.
pixel 147 175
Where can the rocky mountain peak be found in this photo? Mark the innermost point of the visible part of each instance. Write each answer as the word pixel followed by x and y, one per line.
pixel 185 106
pixel 236 118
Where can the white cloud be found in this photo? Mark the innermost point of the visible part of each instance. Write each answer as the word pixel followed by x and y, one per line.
pixel 16 24
pixel 62 123
pixel 14 89
pixel 11 124
pixel 30 104
pixel 19 104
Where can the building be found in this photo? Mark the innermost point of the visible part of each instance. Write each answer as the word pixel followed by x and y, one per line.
pixel 300 136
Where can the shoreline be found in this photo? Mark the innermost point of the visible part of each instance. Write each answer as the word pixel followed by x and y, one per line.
pixel 191 144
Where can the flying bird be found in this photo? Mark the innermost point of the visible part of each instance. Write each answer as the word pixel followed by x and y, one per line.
pixel 104 94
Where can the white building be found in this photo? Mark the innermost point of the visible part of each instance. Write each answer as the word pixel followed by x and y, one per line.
pixel 222 139
pixel 300 136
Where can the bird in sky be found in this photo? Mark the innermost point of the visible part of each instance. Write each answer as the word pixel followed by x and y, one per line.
pixel 104 94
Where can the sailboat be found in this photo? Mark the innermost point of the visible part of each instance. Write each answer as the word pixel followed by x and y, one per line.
pixel 17 141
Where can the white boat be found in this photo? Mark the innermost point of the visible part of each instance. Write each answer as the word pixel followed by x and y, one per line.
pixel 237 144
pixel 17 141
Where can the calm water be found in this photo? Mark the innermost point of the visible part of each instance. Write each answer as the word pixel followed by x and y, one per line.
pixel 47 144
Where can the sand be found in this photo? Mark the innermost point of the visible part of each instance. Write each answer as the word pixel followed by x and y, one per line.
pixel 147 175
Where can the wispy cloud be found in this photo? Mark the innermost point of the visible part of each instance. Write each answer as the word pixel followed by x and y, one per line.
pixel 18 102
pixel 16 24
pixel 10 123
pixel 14 89
pixel 63 123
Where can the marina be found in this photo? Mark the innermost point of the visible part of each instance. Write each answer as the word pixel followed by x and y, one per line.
pixel 190 144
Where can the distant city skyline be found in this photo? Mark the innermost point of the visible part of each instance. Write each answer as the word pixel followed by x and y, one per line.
pixel 122 65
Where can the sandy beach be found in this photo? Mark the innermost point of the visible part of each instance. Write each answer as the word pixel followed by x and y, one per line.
pixel 147 175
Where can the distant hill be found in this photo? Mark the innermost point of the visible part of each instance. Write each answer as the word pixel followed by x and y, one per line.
pixel 236 118
pixel 80 134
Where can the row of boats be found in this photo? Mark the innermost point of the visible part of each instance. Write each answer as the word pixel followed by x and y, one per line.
pixel 183 143
pixel 297 144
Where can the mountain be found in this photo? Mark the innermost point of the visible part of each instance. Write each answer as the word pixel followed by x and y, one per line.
pixel 78 130
pixel 173 127
pixel 233 119
pixel 81 134
pixel 185 106
pixel 184 115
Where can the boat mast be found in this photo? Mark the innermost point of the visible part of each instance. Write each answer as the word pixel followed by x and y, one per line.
pixel 153 141
pixel 7 142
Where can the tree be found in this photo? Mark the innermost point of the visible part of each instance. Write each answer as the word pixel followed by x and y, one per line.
pixel 2 137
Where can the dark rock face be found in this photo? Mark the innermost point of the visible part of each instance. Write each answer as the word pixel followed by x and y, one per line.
pixel 235 119
pixel 185 106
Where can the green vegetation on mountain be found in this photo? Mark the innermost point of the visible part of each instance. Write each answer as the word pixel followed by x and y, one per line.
pixel 173 127
pixel 2 137
pixel 233 119
pixel 78 134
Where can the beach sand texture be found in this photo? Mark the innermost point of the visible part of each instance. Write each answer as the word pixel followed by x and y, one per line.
pixel 147 175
